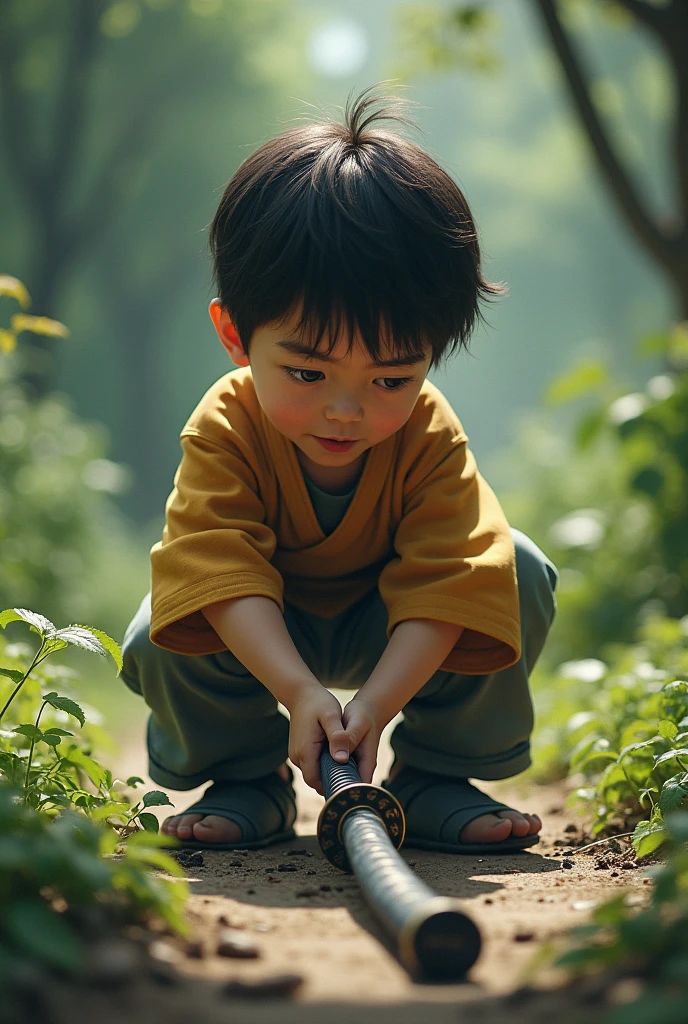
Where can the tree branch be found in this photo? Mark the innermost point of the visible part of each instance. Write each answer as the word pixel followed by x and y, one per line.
pixel 622 188
pixel 656 18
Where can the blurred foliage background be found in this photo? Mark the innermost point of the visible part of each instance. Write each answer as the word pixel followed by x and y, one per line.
pixel 565 124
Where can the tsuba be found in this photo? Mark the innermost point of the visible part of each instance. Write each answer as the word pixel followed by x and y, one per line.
pixel 350 798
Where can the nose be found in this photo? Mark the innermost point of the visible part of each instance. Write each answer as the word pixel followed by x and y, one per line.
pixel 344 408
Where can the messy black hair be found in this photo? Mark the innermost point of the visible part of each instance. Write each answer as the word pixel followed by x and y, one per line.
pixel 350 224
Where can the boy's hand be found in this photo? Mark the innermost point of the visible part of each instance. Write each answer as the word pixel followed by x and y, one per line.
pixel 363 728
pixel 316 716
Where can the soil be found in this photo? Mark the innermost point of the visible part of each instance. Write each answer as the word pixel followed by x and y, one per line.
pixel 299 944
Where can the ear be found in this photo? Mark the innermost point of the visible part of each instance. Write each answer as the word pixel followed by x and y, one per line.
pixel 227 333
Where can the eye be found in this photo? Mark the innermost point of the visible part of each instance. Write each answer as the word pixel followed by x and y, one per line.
pixel 303 376
pixel 393 383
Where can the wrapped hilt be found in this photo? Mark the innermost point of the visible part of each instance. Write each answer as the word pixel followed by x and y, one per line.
pixel 360 829
pixel 344 793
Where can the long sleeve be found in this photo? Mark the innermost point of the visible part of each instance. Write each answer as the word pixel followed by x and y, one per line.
pixel 455 559
pixel 215 545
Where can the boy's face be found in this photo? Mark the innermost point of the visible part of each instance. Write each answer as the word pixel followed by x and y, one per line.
pixel 332 407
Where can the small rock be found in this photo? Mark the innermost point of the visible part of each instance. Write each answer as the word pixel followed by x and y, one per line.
pixel 189 859
pixel 570 827
pixel 601 864
pixel 524 936
pixel 567 863
pixel 629 864
pixel 236 863
pixel 287 867
pixel 584 905
pixel 325 888
pixel 308 890
pixel 488 900
pixel 195 950
pixel 299 853
pixel 311 872
pixel 233 944
pixel 279 986
pixel 262 926
pixel 560 842
pixel 250 892
pixel 614 874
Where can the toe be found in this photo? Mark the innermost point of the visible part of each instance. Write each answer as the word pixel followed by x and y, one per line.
pixel 214 828
pixel 520 826
pixel 185 825
pixel 488 828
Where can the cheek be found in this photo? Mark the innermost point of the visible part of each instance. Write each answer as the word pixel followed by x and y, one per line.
pixel 391 417
pixel 286 413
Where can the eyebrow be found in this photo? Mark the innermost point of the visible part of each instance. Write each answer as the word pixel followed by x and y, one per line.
pixel 297 348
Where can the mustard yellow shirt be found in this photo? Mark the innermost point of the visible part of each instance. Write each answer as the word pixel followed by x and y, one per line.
pixel 423 526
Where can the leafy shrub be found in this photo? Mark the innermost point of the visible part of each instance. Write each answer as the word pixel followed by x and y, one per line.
pixel 607 499
pixel 630 743
pixel 648 944
pixel 70 838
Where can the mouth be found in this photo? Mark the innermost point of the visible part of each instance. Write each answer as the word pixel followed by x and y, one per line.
pixel 336 444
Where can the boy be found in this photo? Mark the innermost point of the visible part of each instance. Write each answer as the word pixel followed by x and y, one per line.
pixel 328 525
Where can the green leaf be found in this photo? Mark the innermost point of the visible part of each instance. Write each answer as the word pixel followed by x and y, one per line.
pixel 52 738
pixel 632 747
pixel 78 636
pixel 65 704
pixel 650 841
pixel 38 623
pixel 149 821
pixel 110 645
pixel 134 780
pixel 674 792
pixel 662 758
pixel 96 773
pixel 13 674
pixel 43 934
pixel 667 729
pixel 29 730
pixel 581 380
pixel 156 798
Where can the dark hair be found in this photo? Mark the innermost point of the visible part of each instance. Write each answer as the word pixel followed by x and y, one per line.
pixel 350 224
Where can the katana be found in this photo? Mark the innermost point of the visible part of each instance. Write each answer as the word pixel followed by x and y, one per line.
pixel 360 829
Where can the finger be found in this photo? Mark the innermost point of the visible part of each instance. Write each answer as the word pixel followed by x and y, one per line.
pixel 310 769
pixel 366 759
pixel 338 739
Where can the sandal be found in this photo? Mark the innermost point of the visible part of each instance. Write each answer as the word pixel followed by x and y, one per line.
pixel 264 808
pixel 437 807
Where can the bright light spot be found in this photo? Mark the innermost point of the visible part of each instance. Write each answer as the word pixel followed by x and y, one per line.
pixel 661 387
pixel 627 408
pixel 104 475
pixel 581 529
pixel 587 670
pixel 338 48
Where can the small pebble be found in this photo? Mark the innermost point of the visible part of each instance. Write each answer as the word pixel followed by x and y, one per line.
pixel 236 863
pixel 299 853
pixel 250 892
pixel 189 859
pixel 614 874
pixel 311 872
pixel 488 900
pixel 287 867
pixel 524 936
pixel 325 888
pixel 262 926
pixel 308 890
pixel 571 827
pixel 195 950
pixel 234 944
pixel 567 863
pixel 629 864
pixel 281 985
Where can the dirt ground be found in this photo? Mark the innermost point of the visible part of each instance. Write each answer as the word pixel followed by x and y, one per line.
pixel 310 935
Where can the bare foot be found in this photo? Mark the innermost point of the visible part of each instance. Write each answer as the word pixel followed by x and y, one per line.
pixel 492 828
pixel 208 828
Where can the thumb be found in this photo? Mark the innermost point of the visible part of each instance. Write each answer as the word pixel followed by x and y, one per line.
pixel 337 737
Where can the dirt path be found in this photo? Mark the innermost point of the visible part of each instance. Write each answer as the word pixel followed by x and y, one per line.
pixel 306 918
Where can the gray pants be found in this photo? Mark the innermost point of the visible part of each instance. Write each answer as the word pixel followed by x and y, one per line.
pixel 212 720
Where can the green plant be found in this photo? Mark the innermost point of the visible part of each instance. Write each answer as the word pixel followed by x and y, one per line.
pixel 32 757
pixel 623 727
pixel 648 943
pixel 72 844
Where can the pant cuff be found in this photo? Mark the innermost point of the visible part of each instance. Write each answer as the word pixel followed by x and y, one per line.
pixel 489 769
pixel 220 771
